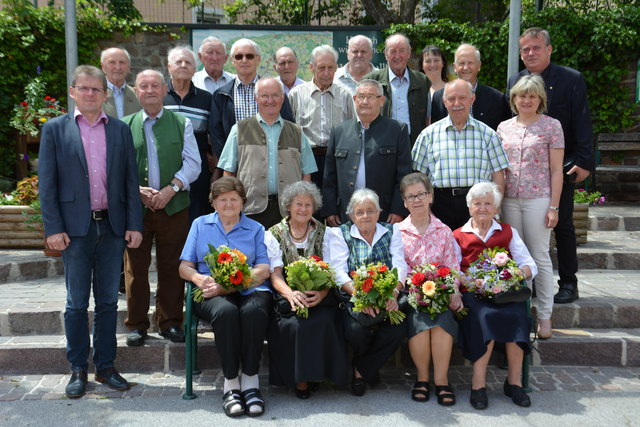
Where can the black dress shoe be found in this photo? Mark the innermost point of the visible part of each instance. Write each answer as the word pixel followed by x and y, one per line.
pixel 375 381
pixel 174 334
pixel 136 337
pixel 479 399
pixel 568 293
pixel 77 384
pixel 517 394
pixel 112 378
pixel 303 394
pixel 358 386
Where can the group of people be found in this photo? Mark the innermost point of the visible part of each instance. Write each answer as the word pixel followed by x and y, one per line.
pixel 357 165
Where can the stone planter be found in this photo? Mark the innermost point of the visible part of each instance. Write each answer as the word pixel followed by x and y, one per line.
pixel 581 221
pixel 14 233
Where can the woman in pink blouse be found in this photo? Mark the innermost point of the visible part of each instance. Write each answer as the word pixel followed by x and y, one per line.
pixel 427 240
pixel 534 144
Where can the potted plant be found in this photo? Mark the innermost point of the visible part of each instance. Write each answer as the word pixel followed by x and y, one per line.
pixel 582 199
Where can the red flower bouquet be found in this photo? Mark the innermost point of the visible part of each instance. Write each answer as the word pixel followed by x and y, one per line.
pixel 430 287
pixel 374 285
pixel 228 267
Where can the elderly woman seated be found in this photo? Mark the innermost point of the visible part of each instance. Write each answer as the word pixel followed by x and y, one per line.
pixel 239 319
pixel 361 241
pixel 302 350
pixel 486 323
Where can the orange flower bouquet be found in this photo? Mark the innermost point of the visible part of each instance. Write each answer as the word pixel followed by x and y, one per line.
pixel 374 284
pixel 228 267
pixel 309 274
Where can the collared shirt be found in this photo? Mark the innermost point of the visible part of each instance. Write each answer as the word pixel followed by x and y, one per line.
pixel 339 253
pixel 519 252
pixel 118 97
pixel 436 244
pixel 244 99
pixel 94 143
pixel 247 236
pixel 453 158
pixel 297 82
pixel 400 97
pixel 229 157
pixel 343 77
pixel 190 155
pixel 318 111
pixel 361 175
pixel 204 81
pixel 195 106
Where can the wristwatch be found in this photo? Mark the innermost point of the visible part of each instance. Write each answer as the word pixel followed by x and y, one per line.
pixel 555 208
pixel 174 187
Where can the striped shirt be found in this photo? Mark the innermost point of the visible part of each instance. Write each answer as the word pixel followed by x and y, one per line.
pixel 453 158
pixel 244 99
pixel 318 111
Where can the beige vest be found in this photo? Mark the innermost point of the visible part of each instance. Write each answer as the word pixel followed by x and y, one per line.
pixel 253 162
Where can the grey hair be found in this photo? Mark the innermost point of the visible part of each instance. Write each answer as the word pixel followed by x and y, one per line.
pixel 301 188
pixel 371 82
pixel 179 49
pixel 275 54
pixel 104 53
pixel 241 42
pixel 325 48
pixel 452 82
pixel 157 73
pixel 211 40
pixel 536 32
pixel 359 37
pixel 531 83
pixel 264 80
pixel 361 196
pixel 89 71
pixel 406 39
pixel 482 189
pixel 467 46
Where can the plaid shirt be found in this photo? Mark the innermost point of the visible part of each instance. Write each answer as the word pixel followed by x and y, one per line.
pixel 244 99
pixel 453 158
pixel 361 254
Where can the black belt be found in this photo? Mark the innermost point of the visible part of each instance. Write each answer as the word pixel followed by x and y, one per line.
pixel 99 215
pixel 319 151
pixel 454 191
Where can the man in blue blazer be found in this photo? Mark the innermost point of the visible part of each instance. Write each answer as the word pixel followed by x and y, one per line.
pixel 91 209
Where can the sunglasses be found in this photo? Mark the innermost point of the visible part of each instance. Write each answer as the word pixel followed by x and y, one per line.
pixel 239 56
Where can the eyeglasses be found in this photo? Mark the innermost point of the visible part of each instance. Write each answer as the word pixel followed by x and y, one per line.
pixel 85 90
pixel 369 212
pixel 239 56
pixel 420 196
pixel 367 97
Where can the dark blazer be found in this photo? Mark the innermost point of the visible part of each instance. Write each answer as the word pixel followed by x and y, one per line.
pixel 223 116
pixel 131 104
pixel 567 102
pixel 387 160
pixel 490 106
pixel 64 181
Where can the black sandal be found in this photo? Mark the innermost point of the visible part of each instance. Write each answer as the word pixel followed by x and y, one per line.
pixel 420 395
pixel 252 397
pixel 230 398
pixel 445 392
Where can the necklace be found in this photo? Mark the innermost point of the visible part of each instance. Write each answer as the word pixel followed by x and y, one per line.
pixel 298 238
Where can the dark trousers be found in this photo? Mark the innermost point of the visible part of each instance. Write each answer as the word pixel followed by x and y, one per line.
pixel 199 192
pixel 239 327
pixel 451 210
pixel 270 216
pixel 317 177
pixel 372 346
pixel 92 261
pixel 170 233
pixel 566 237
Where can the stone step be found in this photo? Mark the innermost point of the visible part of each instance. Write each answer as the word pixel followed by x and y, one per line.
pixel 614 217
pixel 614 250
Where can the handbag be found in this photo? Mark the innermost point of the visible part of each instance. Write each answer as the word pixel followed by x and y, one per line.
pixel 508 297
pixel 363 319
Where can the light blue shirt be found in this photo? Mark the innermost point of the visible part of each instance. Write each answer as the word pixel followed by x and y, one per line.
pixel 204 81
pixel 399 97
pixel 118 97
pixel 229 157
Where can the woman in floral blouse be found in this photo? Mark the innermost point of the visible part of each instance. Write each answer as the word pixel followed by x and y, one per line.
pixel 534 144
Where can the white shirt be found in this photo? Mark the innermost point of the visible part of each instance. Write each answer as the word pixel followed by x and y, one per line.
pixel 274 251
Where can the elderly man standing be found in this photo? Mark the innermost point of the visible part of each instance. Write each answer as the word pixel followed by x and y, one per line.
pixel 91 210
pixel 235 101
pixel 490 106
pixel 371 151
pixel 168 161
pixel 257 148
pixel 456 153
pixel 213 55
pixel 320 104
pixel 359 55
pixel 407 91
pixel 568 103
pixel 195 104
pixel 285 62
pixel 121 99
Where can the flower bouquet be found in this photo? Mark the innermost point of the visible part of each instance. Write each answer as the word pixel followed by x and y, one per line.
pixel 374 284
pixel 309 274
pixel 228 267
pixel 497 278
pixel 430 287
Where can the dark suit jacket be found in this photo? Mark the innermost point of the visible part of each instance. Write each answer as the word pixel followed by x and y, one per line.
pixel 490 106
pixel 387 160
pixel 64 181
pixel 131 103
pixel 567 102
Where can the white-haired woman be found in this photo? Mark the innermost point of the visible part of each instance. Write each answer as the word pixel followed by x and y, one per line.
pixel 360 241
pixel 534 144
pixel 486 323
pixel 302 351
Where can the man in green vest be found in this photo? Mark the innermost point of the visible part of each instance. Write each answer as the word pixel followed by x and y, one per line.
pixel 168 161
pixel 267 153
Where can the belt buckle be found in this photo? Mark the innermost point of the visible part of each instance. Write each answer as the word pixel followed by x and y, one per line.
pixel 457 192
pixel 96 215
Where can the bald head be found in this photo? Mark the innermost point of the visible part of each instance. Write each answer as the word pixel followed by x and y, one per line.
pixel 285 62
pixel 115 64
pixel 150 90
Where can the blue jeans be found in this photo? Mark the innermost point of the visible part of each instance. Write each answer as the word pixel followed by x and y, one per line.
pixel 93 259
